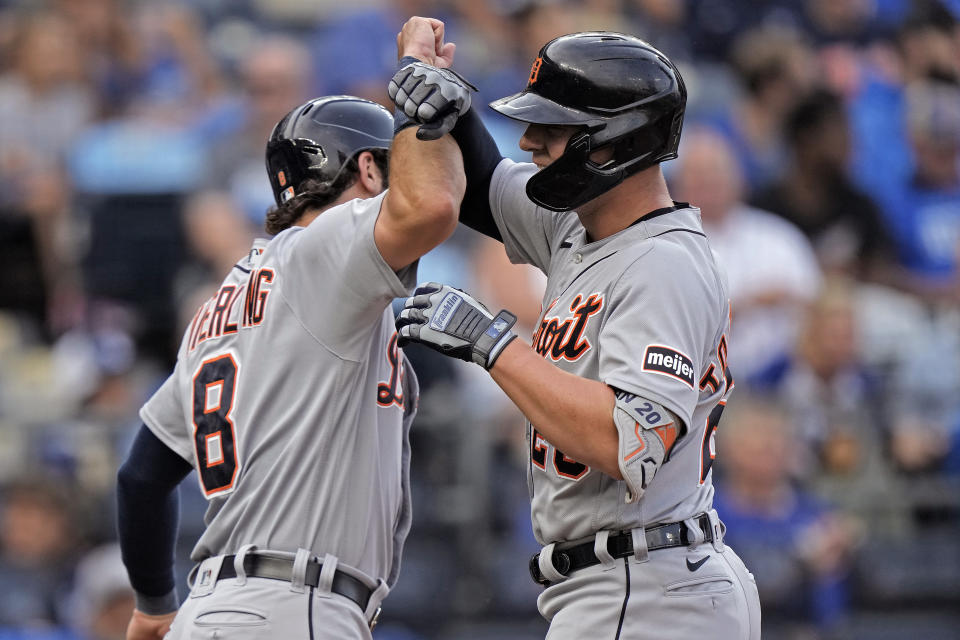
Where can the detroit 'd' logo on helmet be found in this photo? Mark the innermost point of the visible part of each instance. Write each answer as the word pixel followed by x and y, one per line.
pixel 535 71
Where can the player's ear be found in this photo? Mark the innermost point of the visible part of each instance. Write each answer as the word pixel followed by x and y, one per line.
pixel 369 174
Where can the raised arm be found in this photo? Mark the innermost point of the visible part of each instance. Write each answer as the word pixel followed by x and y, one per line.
pixel 420 208
pixel 437 100
pixel 426 181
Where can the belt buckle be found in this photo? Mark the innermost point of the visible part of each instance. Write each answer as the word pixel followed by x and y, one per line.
pixel 375 618
pixel 560 561
pixel 534 568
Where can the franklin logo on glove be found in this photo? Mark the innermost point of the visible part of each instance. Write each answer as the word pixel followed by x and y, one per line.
pixel 447 307
pixel 450 321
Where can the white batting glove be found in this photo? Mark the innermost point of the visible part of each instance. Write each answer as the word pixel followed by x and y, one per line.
pixel 451 322
pixel 433 97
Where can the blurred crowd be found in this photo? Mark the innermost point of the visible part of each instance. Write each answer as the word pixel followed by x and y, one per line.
pixel 822 144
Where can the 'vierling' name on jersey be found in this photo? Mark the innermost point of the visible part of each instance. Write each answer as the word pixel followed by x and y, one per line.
pixel 220 315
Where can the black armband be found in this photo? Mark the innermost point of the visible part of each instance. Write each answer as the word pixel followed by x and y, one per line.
pixel 147 513
pixel 480 157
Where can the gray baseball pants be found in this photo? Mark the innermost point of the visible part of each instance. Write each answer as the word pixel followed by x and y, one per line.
pixel 681 592
pixel 249 608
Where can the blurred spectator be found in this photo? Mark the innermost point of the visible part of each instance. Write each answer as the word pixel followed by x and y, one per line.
pixel 663 23
pixel 356 49
pixel 798 548
pixel 715 26
pixel 924 392
pixel 776 68
pixel 217 235
pixel 842 223
pixel 44 105
pixel 180 78
pixel 771 268
pixel 924 215
pixel 111 52
pixel 832 21
pixel 37 540
pixel 102 599
pixel 275 76
pixel 837 411
pixel 120 141
pixel 926 47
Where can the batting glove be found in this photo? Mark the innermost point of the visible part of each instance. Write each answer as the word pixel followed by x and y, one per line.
pixel 453 323
pixel 433 97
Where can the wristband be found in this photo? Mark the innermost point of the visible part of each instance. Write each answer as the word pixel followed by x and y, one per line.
pixel 156 605
pixel 493 340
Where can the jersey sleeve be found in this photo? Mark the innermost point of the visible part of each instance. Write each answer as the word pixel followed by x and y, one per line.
pixel 163 415
pixel 335 279
pixel 527 230
pixel 649 344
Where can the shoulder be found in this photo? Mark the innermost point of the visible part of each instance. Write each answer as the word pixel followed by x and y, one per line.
pixel 336 227
pixel 508 170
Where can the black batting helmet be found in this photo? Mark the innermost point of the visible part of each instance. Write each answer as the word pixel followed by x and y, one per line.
pixel 316 140
pixel 621 90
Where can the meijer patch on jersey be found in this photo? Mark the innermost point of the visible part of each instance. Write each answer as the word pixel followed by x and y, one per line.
pixel 669 362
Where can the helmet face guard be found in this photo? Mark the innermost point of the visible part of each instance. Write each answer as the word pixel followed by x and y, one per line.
pixel 625 95
pixel 574 178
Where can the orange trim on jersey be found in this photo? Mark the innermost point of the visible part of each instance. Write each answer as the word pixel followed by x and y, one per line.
pixel 222 458
pixel 564 340
pixel 233 433
pixel 206 395
pixel 708 431
pixel 569 460
pixel 668 435
pixel 636 429
pixel 708 379
pixel 540 444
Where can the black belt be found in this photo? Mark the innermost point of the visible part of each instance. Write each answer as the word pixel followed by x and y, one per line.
pixel 258 566
pixel 663 536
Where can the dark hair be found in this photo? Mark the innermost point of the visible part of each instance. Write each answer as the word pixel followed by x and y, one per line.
pixel 315 194
pixel 811 112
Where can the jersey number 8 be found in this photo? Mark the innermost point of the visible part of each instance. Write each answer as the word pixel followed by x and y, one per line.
pixel 214 440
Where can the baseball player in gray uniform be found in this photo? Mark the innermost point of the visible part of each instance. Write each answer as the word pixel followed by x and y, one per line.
pixel 626 378
pixel 291 398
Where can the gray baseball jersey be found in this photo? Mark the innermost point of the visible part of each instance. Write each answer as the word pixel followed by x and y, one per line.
pixel 293 402
pixel 645 311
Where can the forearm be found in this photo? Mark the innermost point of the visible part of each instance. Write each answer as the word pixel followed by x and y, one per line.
pixel 147 514
pixel 574 414
pixel 480 158
pixel 427 175
pixel 420 208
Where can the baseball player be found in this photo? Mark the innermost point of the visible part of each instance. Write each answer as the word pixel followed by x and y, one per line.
pixel 290 396
pixel 627 374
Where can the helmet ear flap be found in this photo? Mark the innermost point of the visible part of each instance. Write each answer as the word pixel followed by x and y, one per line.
pixel 284 168
pixel 317 139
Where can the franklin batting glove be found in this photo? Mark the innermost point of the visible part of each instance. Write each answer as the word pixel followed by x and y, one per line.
pixel 433 97
pixel 453 323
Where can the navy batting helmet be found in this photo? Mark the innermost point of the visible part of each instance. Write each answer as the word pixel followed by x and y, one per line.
pixel 316 140
pixel 623 93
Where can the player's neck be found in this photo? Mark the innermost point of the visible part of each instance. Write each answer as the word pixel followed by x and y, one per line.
pixel 350 193
pixel 617 209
